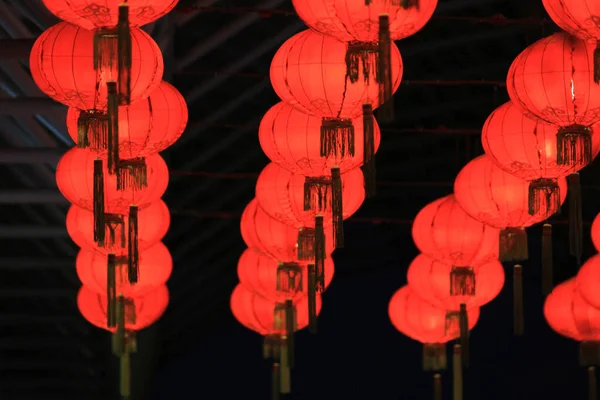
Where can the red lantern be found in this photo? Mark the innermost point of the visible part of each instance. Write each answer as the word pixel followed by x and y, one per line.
pixel 147 309
pixel 596 232
pixel 447 287
pixel 62 66
pixel 155 268
pixel 153 224
pixel 278 240
pixel 587 281
pixel 75 180
pixel 276 280
pixel 553 80
pixel 145 128
pixel 442 230
pixel 90 14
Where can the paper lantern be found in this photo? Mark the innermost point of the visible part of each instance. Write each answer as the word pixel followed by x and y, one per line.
pixel 553 80
pixel 588 281
pixel 442 230
pixel 447 287
pixel 90 14
pixel 62 66
pixel 145 128
pixel 596 232
pixel 75 180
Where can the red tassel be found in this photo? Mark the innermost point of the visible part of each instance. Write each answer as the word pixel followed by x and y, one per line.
pixel 547 273
pixel 124 55
pixel 312 299
pixel 362 55
pixel 92 130
pixel 306 244
pixel 317 193
pixel 544 197
pixel 118 338
pixel 99 223
pixel 384 71
pixel 290 328
pixel 513 244
pixel 132 249
pixel 289 278
pixel 320 253
pixel 111 292
pixel 337 207
pixel 597 63
pixel 113 128
pixel 408 4
pixel 434 357
pixel 337 138
pixel 115 230
pixel 574 146
pixel 464 334
pixel 369 150
pixel 462 281
pixel 132 174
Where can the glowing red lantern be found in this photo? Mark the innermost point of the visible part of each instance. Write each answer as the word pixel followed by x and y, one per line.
pixel 146 309
pixel 444 231
pixel 553 80
pixel 62 66
pixel 587 281
pixel 146 127
pixel 90 14
pixel 447 287
pixel 75 179
pixel 596 232
pixel 155 269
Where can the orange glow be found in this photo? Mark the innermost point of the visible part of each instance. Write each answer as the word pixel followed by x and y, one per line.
pixel 587 282
pixel 578 17
pixel 596 232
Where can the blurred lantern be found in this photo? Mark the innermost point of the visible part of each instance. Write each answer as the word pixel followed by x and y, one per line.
pixel 442 230
pixel 579 18
pixel 587 280
pixel 553 80
pixel 62 65
pixel 277 322
pixel 291 139
pixel 145 128
pixel 308 72
pixel 596 232
pixel 153 224
pixel 105 13
pixel 474 287
pixel 296 200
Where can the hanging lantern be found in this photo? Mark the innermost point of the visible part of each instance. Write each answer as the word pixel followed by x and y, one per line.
pixel 62 66
pixel 291 139
pixel 105 13
pixel 553 80
pixel 442 230
pixel 145 128
pixel 474 286
pixel 587 282
pixel 526 148
pixel 596 232
pixel 308 72
pixel 296 200
pixel 501 200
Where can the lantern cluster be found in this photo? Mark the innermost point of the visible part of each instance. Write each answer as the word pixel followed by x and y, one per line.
pixel 121 114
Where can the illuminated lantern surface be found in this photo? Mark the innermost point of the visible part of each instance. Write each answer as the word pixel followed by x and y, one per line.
pixel 430 279
pixel 272 237
pixel 75 180
pixel 444 231
pixel 155 266
pixel 596 232
pixel 497 198
pixel 553 80
pixel 308 72
pixel 148 308
pixel 146 127
pixel 258 314
pixel 90 14
pixel 153 224
pixel 588 281
pixel 349 20
pixel 281 194
pixel 578 17
pixel 291 139
pixel 569 315
pixel 62 66
pixel 258 272
pixel 525 147
pixel 421 321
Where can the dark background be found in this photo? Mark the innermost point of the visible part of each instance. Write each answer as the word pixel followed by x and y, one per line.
pixel 218 55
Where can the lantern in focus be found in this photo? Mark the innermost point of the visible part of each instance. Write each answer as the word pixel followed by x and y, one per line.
pixel 145 128
pixel 105 13
pixel 553 80
pixel 596 232
pixel 587 281
pixel 442 230
pixel 474 287
pixel 62 66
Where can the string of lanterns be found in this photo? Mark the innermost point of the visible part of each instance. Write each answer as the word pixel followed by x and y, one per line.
pixel 121 114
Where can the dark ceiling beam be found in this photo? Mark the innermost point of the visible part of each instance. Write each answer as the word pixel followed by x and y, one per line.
pixel 31 155
pixel 15 49
pixel 32 232
pixel 26 106
pixel 32 196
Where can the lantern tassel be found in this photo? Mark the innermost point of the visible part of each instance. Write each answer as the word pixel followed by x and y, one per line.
pixel 105 50
pixel 275 381
pixel 113 128
pixel 306 244
pixel 457 373
pixel 111 291
pixel 575 217
pixel 513 244
pixel 597 63
pixel 519 318
pixel 462 281
pixel 337 207
pixel 124 52
pixel 544 197
pixel 320 253
pixel 118 337
pixel 132 174
pixel 285 384
pixel 317 194
pixel 574 146
pixel 112 224
pixel 384 71
pixel 312 299
pixel 547 270
pixel 290 327
pixel 464 334
pixel 589 353
pixel 133 262
pixel 434 357
pixel 98 207
pixel 92 130
pixel 365 54
pixel 369 150
pixel 592 384
pixel 337 138
pixel 130 342
pixel 437 387
pixel 125 376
